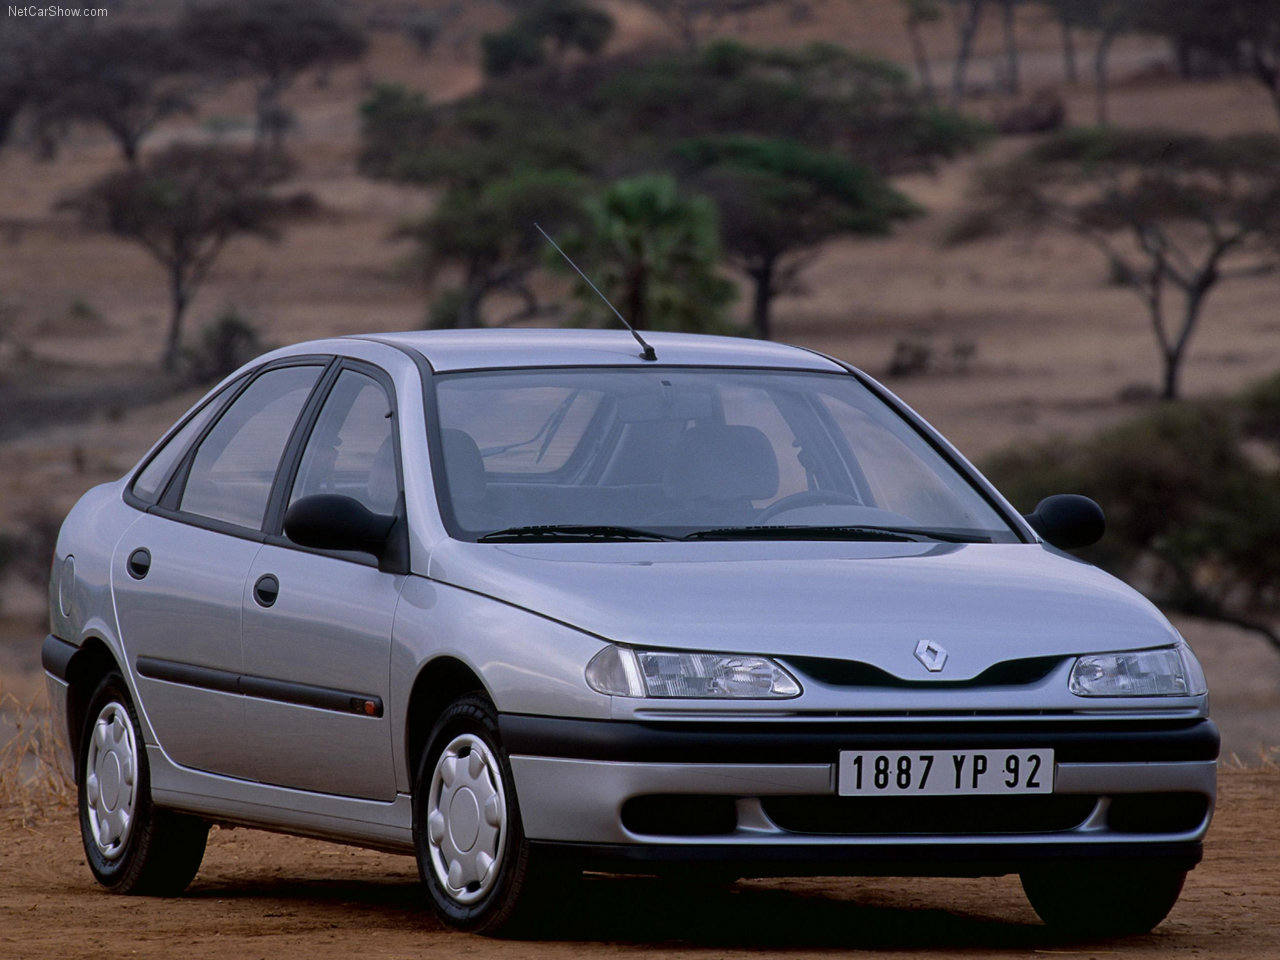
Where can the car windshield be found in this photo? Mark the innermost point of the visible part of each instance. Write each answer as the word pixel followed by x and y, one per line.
pixel 679 453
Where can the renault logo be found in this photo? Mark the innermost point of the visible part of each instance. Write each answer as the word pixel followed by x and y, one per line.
pixel 931 655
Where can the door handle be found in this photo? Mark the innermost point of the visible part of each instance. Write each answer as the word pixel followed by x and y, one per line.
pixel 266 590
pixel 139 563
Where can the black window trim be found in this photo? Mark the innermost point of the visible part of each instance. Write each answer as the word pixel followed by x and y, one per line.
pixel 166 506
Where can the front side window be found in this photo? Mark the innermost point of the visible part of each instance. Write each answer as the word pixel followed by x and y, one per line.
pixel 695 453
pixel 234 466
pixel 351 450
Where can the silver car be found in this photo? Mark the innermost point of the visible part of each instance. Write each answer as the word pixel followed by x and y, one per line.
pixel 527 603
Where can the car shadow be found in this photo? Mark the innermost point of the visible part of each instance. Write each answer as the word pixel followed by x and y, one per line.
pixel 746 916
pixel 646 911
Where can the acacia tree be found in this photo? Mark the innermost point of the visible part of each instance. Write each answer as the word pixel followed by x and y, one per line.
pixel 1166 209
pixel 183 206
pixel 621 116
pixel 1241 34
pixel 779 201
pixel 487 232
pixel 653 251
pixel 272 41
pixel 546 32
pixel 126 78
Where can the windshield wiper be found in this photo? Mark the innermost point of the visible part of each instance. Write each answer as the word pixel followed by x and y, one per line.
pixel 843 532
pixel 571 531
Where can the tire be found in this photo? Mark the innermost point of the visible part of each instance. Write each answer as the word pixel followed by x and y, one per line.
pixel 464 811
pixel 131 846
pixel 1103 899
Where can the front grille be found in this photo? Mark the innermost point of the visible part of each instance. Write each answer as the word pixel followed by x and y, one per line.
pixel 934 816
pixel 854 673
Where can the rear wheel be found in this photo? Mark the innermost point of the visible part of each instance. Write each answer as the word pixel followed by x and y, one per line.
pixel 472 853
pixel 130 845
pixel 1103 899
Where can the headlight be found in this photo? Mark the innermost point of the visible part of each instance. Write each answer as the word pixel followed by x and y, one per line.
pixel 1165 672
pixel 623 672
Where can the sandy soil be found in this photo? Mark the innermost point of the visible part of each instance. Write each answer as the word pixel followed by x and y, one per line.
pixel 260 895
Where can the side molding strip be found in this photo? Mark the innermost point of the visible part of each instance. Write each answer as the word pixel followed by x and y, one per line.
pixel 264 688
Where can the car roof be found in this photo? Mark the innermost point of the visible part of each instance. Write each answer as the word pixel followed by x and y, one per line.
pixel 448 350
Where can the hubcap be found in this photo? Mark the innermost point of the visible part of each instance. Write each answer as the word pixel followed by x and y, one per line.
pixel 110 789
pixel 466 818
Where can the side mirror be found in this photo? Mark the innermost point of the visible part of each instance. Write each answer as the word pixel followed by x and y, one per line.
pixel 327 521
pixel 1068 521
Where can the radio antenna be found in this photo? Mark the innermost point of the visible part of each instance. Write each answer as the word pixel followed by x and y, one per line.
pixel 646 351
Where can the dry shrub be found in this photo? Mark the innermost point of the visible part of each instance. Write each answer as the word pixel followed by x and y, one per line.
pixel 34 780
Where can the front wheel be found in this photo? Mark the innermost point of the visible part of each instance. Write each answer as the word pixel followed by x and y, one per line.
pixel 1092 900
pixel 129 844
pixel 472 853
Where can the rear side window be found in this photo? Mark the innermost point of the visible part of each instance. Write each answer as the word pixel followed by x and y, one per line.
pixel 234 466
pixel 150 482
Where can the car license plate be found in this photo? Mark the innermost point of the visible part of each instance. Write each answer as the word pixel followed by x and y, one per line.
pixel 939 773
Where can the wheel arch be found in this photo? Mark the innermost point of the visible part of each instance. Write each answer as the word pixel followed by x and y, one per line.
pixel 85 670
pixel 439 682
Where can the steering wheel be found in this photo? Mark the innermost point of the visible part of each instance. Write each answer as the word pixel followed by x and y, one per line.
pixel 809 498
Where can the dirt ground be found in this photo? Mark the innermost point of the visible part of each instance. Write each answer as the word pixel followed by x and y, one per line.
pixel 261 895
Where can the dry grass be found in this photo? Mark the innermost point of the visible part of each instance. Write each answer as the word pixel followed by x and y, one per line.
pixel 1268 758
pixel 34 780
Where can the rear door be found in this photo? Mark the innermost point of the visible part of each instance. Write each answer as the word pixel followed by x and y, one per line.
pixel 178 573
pixel 316 624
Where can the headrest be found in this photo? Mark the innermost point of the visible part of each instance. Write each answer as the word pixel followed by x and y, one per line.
pixel 382 488
pixel 463 466
pixel 722 463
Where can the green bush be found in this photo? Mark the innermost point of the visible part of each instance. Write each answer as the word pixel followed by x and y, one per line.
pixel 1192 516
pixel 223 346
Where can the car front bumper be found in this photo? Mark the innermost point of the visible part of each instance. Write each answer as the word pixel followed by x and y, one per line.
pixel 770 790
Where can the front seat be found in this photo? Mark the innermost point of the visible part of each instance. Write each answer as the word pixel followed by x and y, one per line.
pixel 464 469
pixel 716 471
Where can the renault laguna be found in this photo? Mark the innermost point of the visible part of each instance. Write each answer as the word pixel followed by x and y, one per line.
pixel 525 604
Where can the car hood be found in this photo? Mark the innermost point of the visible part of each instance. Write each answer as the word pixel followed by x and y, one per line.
pixel 867 601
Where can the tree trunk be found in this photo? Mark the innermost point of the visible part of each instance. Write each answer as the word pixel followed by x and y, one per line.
pixel 10 107
pixel 1172 374
pixel 1100 75
pixel 762 301
pixel 267 123
pixel 1009 11
pixel 129 148
pixel 968 29
pixel 178 295
pixel 921 55
pixel 1069 54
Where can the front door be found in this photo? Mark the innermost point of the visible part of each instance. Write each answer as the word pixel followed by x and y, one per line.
pixel 317 626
